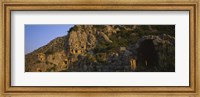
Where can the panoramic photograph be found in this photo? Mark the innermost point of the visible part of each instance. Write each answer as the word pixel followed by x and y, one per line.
pixel 99 48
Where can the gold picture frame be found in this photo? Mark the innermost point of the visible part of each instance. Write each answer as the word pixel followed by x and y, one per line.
pixel 120 5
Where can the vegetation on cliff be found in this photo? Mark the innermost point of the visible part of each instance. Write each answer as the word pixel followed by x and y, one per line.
pixel 108 48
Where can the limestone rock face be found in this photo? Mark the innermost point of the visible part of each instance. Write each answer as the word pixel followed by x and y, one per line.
pixel 84 38
pixel 49 62
pixel 157 40
pixel 105 37
pixel 91 43
pixel 106 48
pixel 48 58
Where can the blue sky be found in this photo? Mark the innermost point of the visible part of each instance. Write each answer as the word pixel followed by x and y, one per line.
pixel 38 35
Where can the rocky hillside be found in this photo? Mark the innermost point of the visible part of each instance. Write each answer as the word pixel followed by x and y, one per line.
pixel 107 48
pixel 32 60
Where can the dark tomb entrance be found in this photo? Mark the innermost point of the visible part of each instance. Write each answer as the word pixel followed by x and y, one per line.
pixel 147 56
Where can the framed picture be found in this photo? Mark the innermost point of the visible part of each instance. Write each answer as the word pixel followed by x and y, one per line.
pixel 100 48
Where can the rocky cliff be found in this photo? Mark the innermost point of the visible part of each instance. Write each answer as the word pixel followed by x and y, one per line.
pixel 107 48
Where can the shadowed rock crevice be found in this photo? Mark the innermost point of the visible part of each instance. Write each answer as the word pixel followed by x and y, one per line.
pixel 147 55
